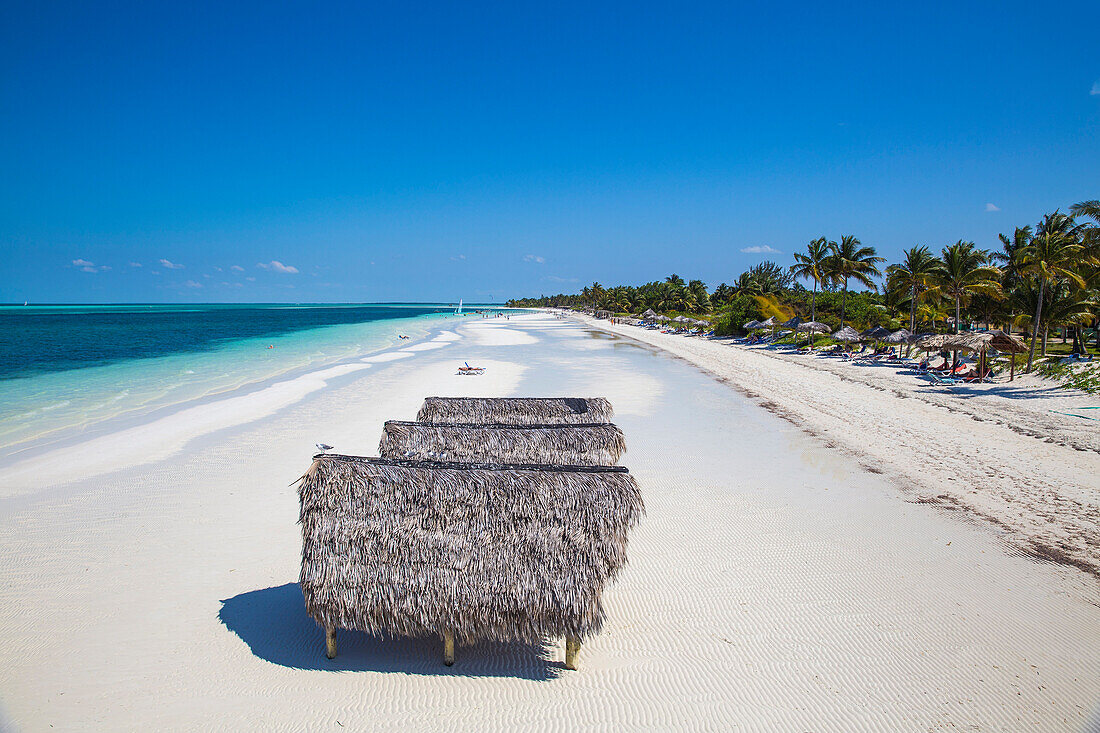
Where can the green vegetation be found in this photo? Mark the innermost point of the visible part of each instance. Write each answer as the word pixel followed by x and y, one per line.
pixel 1041 280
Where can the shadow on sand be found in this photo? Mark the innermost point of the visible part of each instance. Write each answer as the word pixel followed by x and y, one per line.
pixel 274 624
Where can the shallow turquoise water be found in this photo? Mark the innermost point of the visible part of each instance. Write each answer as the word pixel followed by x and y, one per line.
pixel 65 369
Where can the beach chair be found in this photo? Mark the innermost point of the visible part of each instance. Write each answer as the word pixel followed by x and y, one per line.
pixel 939 381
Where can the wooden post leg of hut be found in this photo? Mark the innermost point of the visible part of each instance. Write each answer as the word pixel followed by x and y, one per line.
pixel 448 648
pixel 572 649
pixel 330 642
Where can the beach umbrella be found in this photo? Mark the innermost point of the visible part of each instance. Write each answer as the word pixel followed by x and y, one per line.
pixel 681 319
pixel 793 323
pixel 751 325
pixel 810 328
pixel 878 333
pixel 702 323
pixel 899 337
pixel 663 319
pixel 847 334
pixel 648 314
pixel 769 323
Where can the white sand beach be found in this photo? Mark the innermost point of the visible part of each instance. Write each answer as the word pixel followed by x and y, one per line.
pixel 1018 454
pixel 797 568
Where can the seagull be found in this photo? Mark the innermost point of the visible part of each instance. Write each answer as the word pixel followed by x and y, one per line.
pixel 323 447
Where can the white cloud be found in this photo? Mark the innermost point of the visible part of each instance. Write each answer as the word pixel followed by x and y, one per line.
pixel 556 279
pixel 237 268
pixel 192 284
pixel 170 265
pixel 207 275
pixel 276 266
pixel 86 266
pixel 458 258
pixel 135 264
pixel 760 249
pixel 534 258
pixel 992 207
pixel 250 279
pixel 1095 91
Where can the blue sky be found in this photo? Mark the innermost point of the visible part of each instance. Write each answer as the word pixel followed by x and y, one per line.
pixel 376 152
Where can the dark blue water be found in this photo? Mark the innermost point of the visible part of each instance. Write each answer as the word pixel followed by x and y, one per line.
pixel 38 340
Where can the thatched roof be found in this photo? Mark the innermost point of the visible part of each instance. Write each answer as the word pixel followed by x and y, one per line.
pixel 662 318
pixel 501 552
pixel 649 313
pixel 983 340
pixel 900 336
pixel 935 341
pixel 769 323
pixel 793 322
pixel 515 410
pixel 813 327
pixel 878 333
pixel 682 319
pixel 847 334
pixel 568 445
pixel 751 325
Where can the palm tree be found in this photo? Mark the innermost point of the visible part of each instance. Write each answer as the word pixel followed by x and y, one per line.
pixel 850 259
pixel 675 279
pixel 1052 256
pixel 1009 260
pixel 964 271
pixel 1091 232
pixel 812 266
pixel 914 275
pixel 698 292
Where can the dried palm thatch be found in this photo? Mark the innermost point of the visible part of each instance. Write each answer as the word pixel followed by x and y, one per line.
pixel 599 444
pixel 463 551
pixel 515 410
pixel 813 327
pixel 848 334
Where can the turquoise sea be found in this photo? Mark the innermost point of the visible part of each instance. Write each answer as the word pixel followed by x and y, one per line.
pixel 66 369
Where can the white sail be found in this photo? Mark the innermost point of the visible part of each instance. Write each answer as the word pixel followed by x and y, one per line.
pixel 459 311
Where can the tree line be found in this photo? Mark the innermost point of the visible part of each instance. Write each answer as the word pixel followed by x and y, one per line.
pixel 1038 278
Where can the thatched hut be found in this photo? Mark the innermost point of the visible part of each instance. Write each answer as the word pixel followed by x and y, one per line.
pixel 462 551
pixel 600 444
pixel 515 410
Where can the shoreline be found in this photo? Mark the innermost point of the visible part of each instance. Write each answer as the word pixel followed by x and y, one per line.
pixel 1010 465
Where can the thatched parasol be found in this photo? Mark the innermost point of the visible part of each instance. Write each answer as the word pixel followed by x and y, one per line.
pixel 900 336
pixel 599 444
pixel 663 319
pixel 813 327
pixel 462 551
pixel 934 341
pixel 752 325
pixel 793 323
pixel 648 314
pixel 769 323
pixel 848 334
pixel 810 328
pixel 878 333
pixel 515 410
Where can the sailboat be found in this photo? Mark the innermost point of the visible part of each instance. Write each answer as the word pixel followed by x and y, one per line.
pixel 458 312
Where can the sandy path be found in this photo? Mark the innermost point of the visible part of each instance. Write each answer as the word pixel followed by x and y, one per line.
pixel 773 584
pixel 996 450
